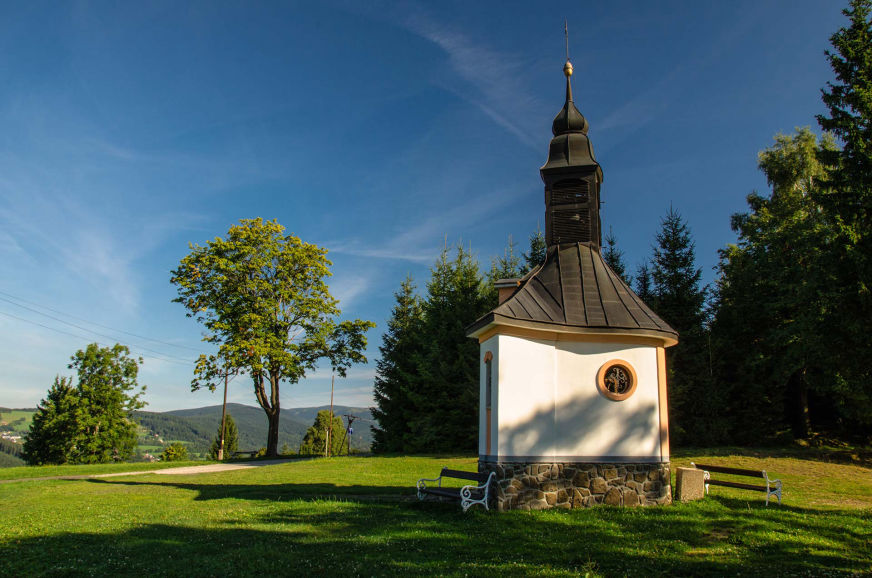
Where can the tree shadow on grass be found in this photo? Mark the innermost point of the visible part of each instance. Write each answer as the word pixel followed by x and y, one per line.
pixel 311 536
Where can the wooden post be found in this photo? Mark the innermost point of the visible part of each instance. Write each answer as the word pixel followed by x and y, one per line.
pixel 223 417
pixel 327 446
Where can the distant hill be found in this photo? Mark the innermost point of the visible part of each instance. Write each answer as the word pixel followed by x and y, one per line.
pixel 198 426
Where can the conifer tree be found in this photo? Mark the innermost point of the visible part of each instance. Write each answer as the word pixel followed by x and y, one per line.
pixel 507 266
pixel 397 372
pixel 231 439
pixel 315 440
pixel 614 258
pixel 53 429
pixel 847 202
pixel 643 283
pixel 537 252
pixel 694 402
pixel 446 399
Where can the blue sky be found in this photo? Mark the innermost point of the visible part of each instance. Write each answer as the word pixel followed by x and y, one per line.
pixel 374 129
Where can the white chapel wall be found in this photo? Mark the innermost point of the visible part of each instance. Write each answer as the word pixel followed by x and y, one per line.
pixel 546 403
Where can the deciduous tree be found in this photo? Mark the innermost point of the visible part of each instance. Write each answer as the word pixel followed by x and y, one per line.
pixel 263 299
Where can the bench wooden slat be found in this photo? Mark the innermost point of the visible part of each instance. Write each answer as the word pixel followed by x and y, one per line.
pixel 733 471
pixel 736 485
pixel 461 475
pixel 446 492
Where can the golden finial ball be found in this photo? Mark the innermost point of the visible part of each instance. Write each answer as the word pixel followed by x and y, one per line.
pixel 567 69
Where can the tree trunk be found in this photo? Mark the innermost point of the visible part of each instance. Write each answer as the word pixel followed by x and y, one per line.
pixel 272 437
pixel 797 404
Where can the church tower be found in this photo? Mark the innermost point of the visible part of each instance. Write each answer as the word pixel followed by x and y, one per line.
pixel 572 178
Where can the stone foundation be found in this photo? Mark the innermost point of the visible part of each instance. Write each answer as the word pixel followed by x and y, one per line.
pixel 537 486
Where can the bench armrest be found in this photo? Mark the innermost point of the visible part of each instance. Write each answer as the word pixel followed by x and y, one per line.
pixel 466 498
pixel 422 485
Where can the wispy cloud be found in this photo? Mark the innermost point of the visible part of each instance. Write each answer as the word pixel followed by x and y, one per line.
pixel 491 80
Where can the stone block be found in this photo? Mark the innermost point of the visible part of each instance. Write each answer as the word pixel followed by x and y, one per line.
pixel 598 486
pixel 562 496
pixel 610 473
pixel 640 476
pixel 551 498
pixel 653 474
pixel 613 497
pixel 631 498
pixel 581 480
pixel 689 484
pixel 539 505
pixel 563 505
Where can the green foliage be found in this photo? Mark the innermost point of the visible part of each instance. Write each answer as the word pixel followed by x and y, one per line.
pixel 231 439
pixel 642 281
pixel 614 258
pixel 397 372
pixel 444 412
pixel 175 452
pixel 535 256
pixel 695 403
pixel 88 423
pixel 506 266
pixel 315 441
pixel 779 275
pixel 427 382
pixel 263 299
pixel 846 200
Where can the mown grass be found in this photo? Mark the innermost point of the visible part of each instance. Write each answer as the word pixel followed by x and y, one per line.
pixel 358 516
pixel 23 472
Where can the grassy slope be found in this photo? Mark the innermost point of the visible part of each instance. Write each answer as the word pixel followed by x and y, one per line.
pixel 358 516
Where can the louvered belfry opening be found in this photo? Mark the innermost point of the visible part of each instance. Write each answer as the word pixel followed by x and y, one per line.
pixel 571 215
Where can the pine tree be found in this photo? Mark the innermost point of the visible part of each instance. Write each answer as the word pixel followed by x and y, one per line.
pixel 694 402
pixel 397 372
pixel 231 439
pixel 614 258
pixel 536 255
pixel 446 400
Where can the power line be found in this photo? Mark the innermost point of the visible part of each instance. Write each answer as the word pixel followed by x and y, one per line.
pixel 86 329
pixel 188 363
pixel 96 324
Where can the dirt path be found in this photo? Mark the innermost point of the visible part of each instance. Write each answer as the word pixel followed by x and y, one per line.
pixel 186 471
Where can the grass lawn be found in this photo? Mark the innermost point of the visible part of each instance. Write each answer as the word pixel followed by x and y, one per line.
pixel 358 516
pixel 87 470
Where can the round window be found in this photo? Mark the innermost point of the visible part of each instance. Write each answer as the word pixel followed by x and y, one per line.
pixel 616 380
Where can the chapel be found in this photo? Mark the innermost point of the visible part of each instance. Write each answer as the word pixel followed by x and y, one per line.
pixel 573 398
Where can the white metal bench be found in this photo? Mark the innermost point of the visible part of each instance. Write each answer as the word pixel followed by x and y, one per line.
pixel 468 495
pixel 772 487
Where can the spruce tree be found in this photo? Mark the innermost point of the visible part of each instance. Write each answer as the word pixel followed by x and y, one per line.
pixel 694 402
pixel 315 440
pixel 446 399
pixel 614 258
pixel 397 373
pixel 53 430
pixel 507 266
pixel 847 202
pixel 231 439
pixel 537 252
pixel 643 283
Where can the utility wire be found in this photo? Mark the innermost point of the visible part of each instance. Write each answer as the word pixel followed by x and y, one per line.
pixel 96 324
pixel 88 330
pixel 77 336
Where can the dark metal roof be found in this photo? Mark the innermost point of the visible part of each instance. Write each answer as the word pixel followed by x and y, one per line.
pixel 575 291
pixel 570 146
